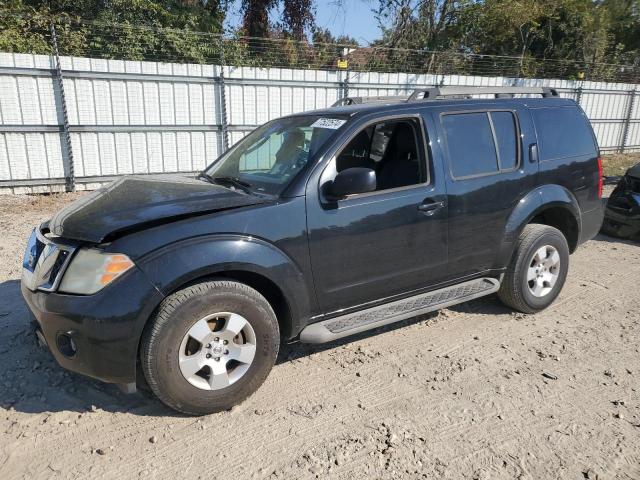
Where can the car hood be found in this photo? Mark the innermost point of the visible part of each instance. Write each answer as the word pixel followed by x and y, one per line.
pixel 134 202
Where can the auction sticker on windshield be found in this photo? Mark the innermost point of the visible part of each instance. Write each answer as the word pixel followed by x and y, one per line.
pixel 332 123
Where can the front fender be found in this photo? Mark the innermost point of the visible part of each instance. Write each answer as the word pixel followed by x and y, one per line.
pixel 179 263
pixel 530 205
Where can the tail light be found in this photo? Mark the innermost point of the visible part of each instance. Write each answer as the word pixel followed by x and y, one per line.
pixel 600 177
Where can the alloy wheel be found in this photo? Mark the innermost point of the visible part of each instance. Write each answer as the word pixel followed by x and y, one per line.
pixel 543 271
pixel 217 351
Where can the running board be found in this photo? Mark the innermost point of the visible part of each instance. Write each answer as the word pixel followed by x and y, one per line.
pixel 352 323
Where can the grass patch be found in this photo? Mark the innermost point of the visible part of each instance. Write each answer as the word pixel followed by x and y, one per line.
pixel 616 164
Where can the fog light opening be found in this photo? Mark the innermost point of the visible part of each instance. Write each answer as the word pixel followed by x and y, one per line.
pixel 66 345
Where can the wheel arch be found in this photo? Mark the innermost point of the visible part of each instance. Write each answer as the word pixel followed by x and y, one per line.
pixel 552 205
pixel 263 285
pixel 560 217
pixel 249 260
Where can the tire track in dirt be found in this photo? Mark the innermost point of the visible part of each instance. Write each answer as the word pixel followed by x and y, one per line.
pixel 405 392
pixel 455 430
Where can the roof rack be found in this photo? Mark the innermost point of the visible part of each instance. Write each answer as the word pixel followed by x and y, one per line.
pixel 439 93
pixel 359 100
pixel 434 93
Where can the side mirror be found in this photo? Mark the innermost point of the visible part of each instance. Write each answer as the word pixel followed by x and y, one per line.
pixel 352 181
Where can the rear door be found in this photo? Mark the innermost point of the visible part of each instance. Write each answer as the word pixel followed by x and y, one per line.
pixel 488 171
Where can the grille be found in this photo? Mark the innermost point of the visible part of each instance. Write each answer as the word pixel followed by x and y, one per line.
pixel 44 263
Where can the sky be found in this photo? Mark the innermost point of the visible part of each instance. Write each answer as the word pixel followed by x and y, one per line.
pixel 354 18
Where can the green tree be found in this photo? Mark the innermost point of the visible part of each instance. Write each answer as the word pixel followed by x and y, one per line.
pixel 297 18
pixel 526 37
pixel 131 29
pixel 424 24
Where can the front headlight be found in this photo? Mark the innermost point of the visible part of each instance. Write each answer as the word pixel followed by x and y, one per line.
pixel 91 270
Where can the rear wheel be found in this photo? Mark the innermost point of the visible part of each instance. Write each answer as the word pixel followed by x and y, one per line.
pixel 209 346
pixel 537 270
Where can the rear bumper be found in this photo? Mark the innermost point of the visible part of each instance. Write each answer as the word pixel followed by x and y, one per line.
pixel 591 223
pixel 105 327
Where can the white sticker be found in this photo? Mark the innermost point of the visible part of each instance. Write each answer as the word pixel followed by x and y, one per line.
pixel 332 123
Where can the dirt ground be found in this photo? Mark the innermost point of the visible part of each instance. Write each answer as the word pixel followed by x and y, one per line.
pixel 472 392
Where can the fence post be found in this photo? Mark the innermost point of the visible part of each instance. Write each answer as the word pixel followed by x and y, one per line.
pixel 223 103
pixel 69 170
pixel 578 94
pixel 342 66
pixel 627 120
pixel 345 85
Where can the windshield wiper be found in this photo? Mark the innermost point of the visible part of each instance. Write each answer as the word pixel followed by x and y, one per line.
pixel 228 180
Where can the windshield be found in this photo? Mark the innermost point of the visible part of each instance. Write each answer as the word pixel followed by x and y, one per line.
pixel 269 158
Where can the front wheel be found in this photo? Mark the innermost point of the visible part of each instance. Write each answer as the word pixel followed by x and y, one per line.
pixel 537 270
pixel 209 346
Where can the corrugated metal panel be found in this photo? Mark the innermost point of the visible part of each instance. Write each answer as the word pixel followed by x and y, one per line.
pixel 176 109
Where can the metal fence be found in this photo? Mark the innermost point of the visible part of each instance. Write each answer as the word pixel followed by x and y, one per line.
pixel 127 41
pixel 76 122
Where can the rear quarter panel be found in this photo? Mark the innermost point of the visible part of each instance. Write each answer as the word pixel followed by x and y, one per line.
pixel 577 172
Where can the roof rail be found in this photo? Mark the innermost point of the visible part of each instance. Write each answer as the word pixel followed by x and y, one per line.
pixel 434 93
pixel 360 100
pixel 439 93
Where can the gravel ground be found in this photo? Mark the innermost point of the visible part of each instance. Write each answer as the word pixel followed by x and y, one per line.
pixel 474 391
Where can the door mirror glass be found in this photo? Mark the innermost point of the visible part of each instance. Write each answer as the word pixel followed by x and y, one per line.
pixel 351 181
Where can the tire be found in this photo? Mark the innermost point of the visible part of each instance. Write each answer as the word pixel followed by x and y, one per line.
pixel 531 296
pixel 169 347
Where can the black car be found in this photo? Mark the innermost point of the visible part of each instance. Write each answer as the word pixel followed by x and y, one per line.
pixel 314 227
pixel 622 215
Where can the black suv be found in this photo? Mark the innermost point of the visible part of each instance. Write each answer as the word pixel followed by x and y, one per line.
pixel 314 227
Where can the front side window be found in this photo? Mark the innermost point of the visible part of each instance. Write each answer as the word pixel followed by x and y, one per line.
pixel 481 143
pixel 270 157
pixel 392 149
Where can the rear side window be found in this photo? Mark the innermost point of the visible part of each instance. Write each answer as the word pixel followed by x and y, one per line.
pixel 504 123
pixel 481 143
pixel 562 132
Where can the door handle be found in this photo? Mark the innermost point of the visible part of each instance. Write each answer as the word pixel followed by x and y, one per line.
pixel 429 206
pixel 533 153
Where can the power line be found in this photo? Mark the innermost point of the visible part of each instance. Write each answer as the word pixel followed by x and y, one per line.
pixel 124 41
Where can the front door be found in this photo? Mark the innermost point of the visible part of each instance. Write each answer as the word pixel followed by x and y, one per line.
pixel 392 241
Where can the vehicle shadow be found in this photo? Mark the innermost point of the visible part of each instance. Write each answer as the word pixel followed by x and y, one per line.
pixel 32 382
pixel 295 350
pixel 489 305
pixel 601 237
